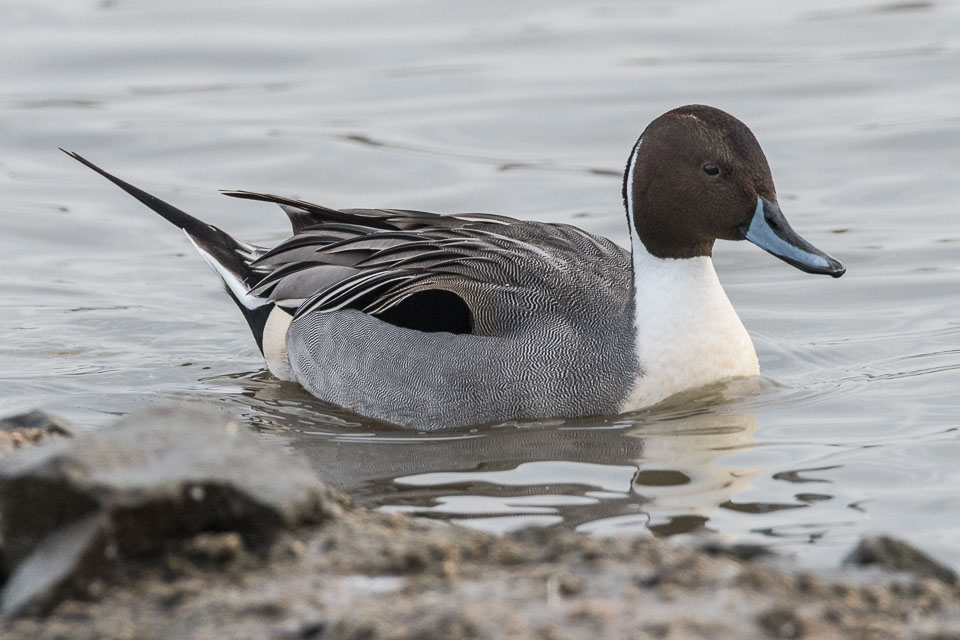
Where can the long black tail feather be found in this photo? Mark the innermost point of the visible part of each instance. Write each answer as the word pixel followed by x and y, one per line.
pixel 230 254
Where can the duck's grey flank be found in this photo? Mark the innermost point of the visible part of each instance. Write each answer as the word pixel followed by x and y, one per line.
pixel 548 338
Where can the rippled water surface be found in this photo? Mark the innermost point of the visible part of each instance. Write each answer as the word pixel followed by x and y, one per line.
pixel 525 108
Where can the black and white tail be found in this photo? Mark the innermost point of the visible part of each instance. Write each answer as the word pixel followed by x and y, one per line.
pixel 227 256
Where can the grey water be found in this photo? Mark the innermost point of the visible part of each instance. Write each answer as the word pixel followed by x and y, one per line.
pixel 527 108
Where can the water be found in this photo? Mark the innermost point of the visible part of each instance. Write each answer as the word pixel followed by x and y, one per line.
pixel 526 108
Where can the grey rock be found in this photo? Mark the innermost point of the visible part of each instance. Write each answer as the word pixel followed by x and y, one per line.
pixel 897 555
pixel 128 489
pixel 58 567
pixel 28 429
pixel 739 550
pixel 781 622
pixel 39 420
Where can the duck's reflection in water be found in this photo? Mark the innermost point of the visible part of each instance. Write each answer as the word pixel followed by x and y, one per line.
pixel 663 477
pixel 663 473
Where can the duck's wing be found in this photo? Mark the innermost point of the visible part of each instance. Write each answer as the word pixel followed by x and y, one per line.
pixel 462 273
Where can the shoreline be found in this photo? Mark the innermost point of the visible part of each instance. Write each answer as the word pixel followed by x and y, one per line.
pixel 332 570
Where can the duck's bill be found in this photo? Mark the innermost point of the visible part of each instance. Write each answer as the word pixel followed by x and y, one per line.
pixel 769 230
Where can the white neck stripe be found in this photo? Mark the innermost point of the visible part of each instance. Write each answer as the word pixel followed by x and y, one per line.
pixel 628 189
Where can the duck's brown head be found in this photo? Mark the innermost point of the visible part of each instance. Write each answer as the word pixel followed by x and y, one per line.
pixel 696 175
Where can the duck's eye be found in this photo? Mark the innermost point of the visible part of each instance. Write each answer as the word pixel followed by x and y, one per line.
pixel 711 169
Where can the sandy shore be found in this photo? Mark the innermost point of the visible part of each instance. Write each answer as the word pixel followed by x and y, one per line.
pixel 359 574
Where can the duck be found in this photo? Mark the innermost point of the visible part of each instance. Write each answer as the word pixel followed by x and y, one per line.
pixel 435 321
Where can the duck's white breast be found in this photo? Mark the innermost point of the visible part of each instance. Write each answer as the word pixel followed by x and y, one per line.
pixel 688 334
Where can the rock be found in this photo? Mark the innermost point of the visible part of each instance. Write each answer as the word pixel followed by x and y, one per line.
pixel 30 428
pixel 68 507
pixel 60 565
pixel 738 550
pixel 211 549
pixel 781 623
pixel 38 421
pixel 898 555
pixel 305 631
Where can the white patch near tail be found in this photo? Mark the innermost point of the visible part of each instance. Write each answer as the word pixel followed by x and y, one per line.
pixel 229 278
pixel 275 343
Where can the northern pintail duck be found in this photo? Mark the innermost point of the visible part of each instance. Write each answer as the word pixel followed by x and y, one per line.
pixel 433 321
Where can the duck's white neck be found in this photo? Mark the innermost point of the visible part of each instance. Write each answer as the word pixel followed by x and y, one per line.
pixel 687 332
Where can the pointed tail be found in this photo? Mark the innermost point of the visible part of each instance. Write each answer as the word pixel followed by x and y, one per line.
pixel 227 256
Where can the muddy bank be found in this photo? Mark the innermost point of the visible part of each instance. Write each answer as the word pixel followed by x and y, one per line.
pixel 331 571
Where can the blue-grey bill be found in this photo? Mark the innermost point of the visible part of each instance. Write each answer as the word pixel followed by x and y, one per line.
pixel 769 230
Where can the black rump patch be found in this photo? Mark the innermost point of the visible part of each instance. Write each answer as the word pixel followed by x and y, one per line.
pixel 431 311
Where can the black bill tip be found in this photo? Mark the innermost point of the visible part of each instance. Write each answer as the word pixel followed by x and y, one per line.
pixel 769 230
